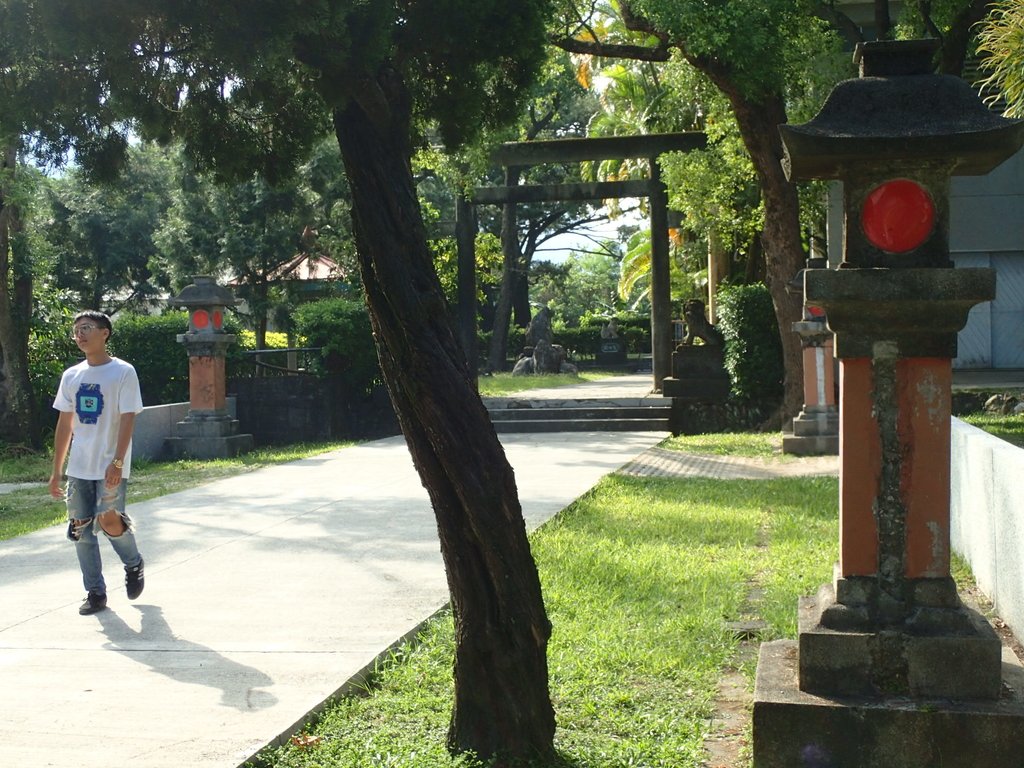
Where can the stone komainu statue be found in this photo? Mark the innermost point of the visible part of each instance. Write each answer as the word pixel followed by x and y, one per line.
pixel 698 326
pixel 539 328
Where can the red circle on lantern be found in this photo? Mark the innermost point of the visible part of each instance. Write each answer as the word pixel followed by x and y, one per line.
pixel 200 318
pixel 898 216
pixel 218 319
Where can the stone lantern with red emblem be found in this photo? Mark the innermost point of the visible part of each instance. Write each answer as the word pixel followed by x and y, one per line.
pixel 890 667
pixel 208 431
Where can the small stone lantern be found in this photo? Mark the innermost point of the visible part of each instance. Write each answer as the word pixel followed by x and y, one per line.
pixel 815 430
pixel 208 431
pixel 890 668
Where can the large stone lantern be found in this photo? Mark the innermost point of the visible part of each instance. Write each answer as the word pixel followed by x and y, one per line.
pixel 208 431
pixel 890 668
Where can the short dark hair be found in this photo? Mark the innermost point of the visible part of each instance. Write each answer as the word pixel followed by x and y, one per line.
pixel 102 320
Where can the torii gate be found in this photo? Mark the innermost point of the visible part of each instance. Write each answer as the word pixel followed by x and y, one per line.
pixel 529 153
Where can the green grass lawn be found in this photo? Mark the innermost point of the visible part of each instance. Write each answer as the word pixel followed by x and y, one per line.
pixel 1008 428
pixel 760 445
pixel 641 577
pixel 500 384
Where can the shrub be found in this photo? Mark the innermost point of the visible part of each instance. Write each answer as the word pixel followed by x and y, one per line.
pixel 150 344
pixel 634 329
pixel 274 340
pixel 50 351
pixel 341 328
pixel 753 349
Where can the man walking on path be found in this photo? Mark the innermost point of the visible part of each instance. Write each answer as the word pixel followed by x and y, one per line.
pixel 98 400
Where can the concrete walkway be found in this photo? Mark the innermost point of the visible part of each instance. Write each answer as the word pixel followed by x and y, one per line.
pixel 265 593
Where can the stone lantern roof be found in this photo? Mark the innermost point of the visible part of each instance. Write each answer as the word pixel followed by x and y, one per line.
pixel 899 111
pixel 203 292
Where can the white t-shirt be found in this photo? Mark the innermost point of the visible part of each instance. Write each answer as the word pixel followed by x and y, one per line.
pixel 97 395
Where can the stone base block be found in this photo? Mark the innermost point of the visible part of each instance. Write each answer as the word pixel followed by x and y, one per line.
pixel 794 729
pixel 611 352
pixel 814 432
pixel 206 427
pixel 695 389
pixel 809 423
pixel 951 653
pixel 810 445
pixel 222 447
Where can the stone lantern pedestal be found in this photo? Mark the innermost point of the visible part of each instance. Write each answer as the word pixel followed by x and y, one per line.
pixel 208 431
pixel 890 669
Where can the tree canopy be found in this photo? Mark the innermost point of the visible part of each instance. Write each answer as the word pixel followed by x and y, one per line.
pixel 249 84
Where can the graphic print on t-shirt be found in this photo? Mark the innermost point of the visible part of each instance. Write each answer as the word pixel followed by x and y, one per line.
pixel 88 403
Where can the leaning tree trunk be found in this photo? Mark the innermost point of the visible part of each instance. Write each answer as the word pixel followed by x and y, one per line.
pixel 784 253
pixel 759 122
pixel 18 419
pixel 502 706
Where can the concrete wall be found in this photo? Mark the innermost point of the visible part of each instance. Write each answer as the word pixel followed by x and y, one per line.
pixel 987 516
pixel 156 423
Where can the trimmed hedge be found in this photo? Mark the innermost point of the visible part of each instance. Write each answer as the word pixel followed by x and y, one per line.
pixel 341 328
pixel 753 348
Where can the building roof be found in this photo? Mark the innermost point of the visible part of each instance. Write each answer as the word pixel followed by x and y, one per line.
pixel 307 266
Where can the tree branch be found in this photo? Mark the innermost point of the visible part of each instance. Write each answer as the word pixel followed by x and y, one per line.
pixel 611 50
pixel 635 22
pixel 954 47
pixel 539 124
pixel 924 7
pixel 839 21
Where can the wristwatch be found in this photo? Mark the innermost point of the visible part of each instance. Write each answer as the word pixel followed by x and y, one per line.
pixel 118 463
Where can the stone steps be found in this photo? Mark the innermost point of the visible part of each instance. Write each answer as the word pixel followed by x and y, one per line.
pixel 579 416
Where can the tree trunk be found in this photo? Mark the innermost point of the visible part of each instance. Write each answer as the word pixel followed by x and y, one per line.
pixel 958 37
pixel 502 706
pixel 521 313
pixel 261 308
pixel 18 418
pixel 510 271
pixel 784 256
pixel 883 24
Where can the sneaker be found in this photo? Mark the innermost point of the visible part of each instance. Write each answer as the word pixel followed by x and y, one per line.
pixel 134 581
pixel 93 603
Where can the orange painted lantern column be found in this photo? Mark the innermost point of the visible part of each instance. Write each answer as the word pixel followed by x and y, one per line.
pixel 206 344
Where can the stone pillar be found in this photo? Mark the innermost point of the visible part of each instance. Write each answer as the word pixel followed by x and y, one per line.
pixel 815 430
pixel 661 310
pixel 891 623
pixel 208 431
pixel 890 668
